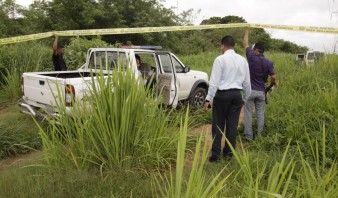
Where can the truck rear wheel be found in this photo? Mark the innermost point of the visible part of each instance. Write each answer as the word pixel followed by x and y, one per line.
pixel 197 98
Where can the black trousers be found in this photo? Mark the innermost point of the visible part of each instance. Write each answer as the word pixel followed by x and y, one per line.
pixel 226 109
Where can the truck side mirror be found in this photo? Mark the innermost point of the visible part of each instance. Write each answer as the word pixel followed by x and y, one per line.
pixel 186 69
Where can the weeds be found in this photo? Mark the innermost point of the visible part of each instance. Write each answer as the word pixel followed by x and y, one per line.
pixel 118 126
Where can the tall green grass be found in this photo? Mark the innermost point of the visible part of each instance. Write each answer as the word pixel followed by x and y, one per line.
pixel 125 133
pixel 288 176
pixel 10 88
pixel 117 126
pixel 197 184
pixel 18 134
pixel 29 180
pixel 306 97
pixel 19 58
pixel 27 57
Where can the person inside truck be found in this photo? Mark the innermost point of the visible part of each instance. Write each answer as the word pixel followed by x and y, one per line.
pixel 58 52
pixel 146 71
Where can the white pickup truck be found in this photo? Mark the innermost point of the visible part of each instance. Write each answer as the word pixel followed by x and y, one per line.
pixel 177 81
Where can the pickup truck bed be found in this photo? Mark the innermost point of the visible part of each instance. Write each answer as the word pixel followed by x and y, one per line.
pixel 68 75
pixel 42 89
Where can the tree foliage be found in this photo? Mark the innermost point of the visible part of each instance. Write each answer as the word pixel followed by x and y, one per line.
pixel 58 15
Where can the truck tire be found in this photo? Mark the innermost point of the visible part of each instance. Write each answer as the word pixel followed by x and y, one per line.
pixel 197 98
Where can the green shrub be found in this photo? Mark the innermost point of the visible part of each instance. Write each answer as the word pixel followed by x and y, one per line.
pixel 18 135
pixel 76 51
pixel 117 126
pixel 305 98
pixel 19 58
pixel 10 89
pixel 197 184
pixel 26 57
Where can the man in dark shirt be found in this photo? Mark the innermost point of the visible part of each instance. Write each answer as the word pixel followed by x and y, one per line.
pixel 58 52
pixel 260 68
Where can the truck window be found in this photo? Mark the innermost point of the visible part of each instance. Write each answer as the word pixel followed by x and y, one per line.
pixel 166 63
pixel 107 60
pixel 178 67
pixel 119 59
pixel 148 61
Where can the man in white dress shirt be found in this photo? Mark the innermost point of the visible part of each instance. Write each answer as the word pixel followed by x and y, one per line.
pixel 230 77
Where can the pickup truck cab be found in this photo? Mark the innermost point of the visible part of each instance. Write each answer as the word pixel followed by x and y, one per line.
pixel 174 80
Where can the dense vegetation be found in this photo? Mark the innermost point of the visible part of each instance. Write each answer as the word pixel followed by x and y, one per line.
pixel 296 157
pixel 111 152
pixel 57 15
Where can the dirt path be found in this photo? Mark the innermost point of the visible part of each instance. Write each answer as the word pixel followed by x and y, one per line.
pixel 34 155
pixel 20 159
pixel 3 110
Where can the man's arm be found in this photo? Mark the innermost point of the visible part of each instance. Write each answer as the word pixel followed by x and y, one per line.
pixel 55 44
pixel 273 79
pixel 215 79
pixel 246 84
pixel 246 38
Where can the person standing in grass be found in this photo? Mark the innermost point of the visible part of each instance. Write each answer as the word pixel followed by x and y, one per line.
pixel 58 52
pixel 260 68
pixel 230 75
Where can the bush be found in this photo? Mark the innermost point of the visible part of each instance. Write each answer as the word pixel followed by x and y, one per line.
pixel 116 126
pixel 305 101
pixel 18 135
pixel 10 89
pixel 19 58
pixel 76 51
pixel 26 57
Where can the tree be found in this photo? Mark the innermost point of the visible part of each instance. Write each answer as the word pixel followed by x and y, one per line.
pixel 10 17
pixel 35 18
pixel 224 20
pixel 73 14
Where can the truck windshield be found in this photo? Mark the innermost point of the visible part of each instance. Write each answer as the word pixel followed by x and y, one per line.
pixel 108 60
pixel 314 55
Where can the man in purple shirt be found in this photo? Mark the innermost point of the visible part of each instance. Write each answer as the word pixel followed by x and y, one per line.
pixel 260 68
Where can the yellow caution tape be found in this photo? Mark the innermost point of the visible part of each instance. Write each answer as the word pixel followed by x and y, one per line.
pixel 30 37
pixel 329 30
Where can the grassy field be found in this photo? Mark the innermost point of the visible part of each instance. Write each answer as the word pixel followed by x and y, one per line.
pixel 296 156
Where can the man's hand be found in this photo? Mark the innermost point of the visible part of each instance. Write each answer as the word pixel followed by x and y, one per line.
pixel 246 37
pixel 207 105
pixel 55 43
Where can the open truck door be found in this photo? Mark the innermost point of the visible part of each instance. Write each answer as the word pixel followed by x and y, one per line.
pixel 167 81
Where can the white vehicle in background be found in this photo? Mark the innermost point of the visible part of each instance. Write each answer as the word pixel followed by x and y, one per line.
pixel 176 81
pixel 300 57
pixel 313 56
pixel 310 57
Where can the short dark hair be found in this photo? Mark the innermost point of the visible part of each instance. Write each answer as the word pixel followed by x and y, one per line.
pixel 259 46
pixel 228 41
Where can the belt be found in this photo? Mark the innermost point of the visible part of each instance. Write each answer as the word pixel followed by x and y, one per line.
pixel 225 90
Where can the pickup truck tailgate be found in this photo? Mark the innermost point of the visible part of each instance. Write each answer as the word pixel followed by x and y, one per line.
pixel 42 89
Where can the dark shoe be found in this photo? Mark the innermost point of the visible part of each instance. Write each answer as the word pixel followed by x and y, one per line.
pixel 214 158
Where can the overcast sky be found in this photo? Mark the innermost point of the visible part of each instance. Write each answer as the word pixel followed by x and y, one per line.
pixel 279 12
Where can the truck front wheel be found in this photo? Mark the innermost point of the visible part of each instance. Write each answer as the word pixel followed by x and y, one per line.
pixel 197 98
